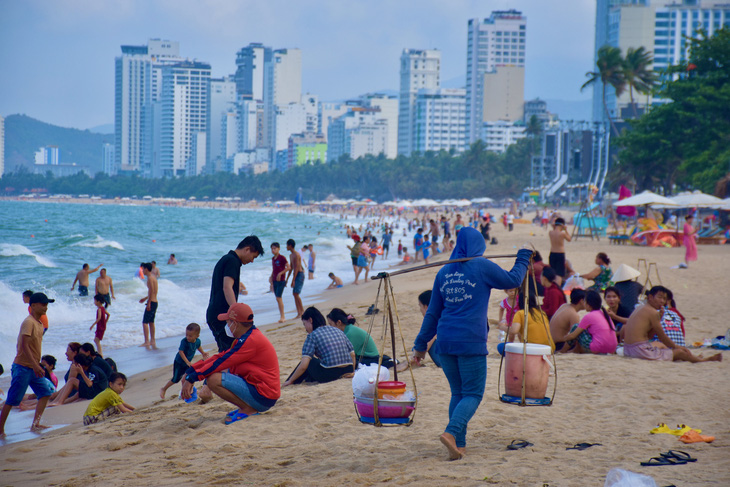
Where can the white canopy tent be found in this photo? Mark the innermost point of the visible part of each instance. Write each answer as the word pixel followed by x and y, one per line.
pixel 647 198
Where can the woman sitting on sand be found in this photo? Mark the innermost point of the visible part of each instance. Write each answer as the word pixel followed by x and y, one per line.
pixel 538 325
pixel 366 352
pixel 595 333
pixel 616 311
pixel 601 275
pixel 327 354
pixel 71 350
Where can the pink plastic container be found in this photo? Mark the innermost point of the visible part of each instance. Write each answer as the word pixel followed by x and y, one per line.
pixel 384 411
pixel 537 370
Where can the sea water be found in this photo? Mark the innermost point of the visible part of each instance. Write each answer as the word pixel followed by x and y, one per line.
pixel 43 246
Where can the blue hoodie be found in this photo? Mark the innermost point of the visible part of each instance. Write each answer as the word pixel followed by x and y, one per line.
pixel 460 298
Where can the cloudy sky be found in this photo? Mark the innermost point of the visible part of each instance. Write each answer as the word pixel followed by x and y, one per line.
pixel 57 56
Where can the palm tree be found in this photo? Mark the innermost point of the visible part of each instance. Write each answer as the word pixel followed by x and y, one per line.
pixel 610 72
pixel 638 73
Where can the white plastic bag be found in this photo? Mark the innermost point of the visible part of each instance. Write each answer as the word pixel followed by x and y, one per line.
pixel 574 282
pixel 618 477
pixel 363 383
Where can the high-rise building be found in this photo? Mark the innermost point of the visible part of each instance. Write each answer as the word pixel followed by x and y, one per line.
pixel 440 120
pixel 290 119
pixel 221 100
pixel 2 145
pixel 389 106
pixel 306 148
pixel 251 61
pixel 108 161
pixel 327 112
pixel 501 134
pixel 661 27
pixel 359 132
pixel 47 156
pixel 493 43
pixel 504 94
pixel 282 86
pixel 198 154
pixel 137 87
pixel 183 114
pixel 419 69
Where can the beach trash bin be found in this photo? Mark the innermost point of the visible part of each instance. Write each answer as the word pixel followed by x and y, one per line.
pixel 537 369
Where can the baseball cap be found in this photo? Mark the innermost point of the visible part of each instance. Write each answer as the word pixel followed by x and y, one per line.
pixel 240 312
pixel 40 298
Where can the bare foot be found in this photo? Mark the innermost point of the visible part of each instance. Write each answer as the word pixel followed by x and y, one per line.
pixel 153 346
pixel 715 358
pixel 449 442
pixel 297 317
pixel 282 320
pixel 145 344
pixel 162 393
pixel 462 450
pixel 38 427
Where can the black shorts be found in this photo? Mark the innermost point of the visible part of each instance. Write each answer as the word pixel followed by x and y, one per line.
pixel 557 262
pixel 178 371
pixel 149 316
pixel 354 260
pixel 279 288
pixel 435 239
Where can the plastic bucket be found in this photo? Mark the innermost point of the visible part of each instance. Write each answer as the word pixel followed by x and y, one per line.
pixel 367 409
pixel 537 370
pixel 391 388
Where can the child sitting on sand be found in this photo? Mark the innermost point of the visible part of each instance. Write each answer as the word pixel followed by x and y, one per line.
pixel 185 354
pixel 108 402
pixel 406 257
pixel 336 281
pixel 48 362
pixel 102 317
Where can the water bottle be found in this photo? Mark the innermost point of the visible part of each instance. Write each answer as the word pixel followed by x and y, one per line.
pixel 502 335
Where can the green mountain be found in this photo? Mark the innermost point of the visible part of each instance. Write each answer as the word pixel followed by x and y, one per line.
pixel 25 135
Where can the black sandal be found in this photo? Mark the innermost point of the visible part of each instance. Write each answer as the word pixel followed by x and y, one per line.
pixel 661 461
pixel 583 446
pixel 518 444
pixel 682 456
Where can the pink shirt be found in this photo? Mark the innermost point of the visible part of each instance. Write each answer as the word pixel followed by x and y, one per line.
pixel 509 310
pixel 603 332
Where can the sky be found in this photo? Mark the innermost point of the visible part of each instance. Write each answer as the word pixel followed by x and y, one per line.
pixel 57 56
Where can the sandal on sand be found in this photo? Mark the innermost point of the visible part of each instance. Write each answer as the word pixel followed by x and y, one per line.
pixel 661 461
pixel 679 455
pixel 583 446
pixel 238 417
pixel 519 444
pixel 232 413
pixel 692 436
pixel 662 428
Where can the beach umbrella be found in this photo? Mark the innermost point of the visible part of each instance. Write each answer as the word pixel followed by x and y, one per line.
pixel 482 200
pixel 425 202
pixel 697 199
pixel 463 202
pixel 723 205
pixel 284 203
pixel 449 202
pixel 405 203
pixel 647 198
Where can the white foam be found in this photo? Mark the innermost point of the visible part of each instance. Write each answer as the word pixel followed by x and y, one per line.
pixel 99 243
pixel 14 250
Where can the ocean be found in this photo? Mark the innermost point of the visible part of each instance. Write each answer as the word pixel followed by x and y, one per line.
pixel 43 246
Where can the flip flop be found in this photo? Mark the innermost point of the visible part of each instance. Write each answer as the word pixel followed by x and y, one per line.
pixel 518 444
pixel 679 455
pixel 583 446
pixel 692 436
pixel 237 417
pixel 661 461
pixel 232 413
pixel 662 428
pixel 683 428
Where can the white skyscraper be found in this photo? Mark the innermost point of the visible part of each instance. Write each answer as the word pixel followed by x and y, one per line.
pixel 440 121
pixel 108 161
pixel 501 134
pixel 388 106
pixel 359 132
pixel 492 43
pixel 2 145
pixel 282 86
pixel 251 63
pixel 184 112
pixel 419 69
pixel 328 111
pixel 137 87
pixel 290 119
pixel 47 156
pixel 221 100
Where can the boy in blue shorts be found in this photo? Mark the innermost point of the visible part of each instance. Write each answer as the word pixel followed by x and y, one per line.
pixel 26 370
pixel 278 278
pixel 185 354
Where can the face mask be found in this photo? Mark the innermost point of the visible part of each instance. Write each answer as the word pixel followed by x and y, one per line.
pixel 229 333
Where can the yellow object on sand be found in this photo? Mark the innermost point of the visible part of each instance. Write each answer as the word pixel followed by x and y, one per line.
pixel 681 429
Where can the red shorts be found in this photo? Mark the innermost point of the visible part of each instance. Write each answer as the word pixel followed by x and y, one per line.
pixel 100 329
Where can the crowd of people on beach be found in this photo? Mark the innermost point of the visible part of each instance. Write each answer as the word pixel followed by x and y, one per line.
pixel 245 370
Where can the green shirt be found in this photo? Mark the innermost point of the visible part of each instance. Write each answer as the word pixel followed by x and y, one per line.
pixel 358 337
pixel 102 401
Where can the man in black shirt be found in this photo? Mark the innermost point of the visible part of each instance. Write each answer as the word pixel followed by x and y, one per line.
pixel 225 286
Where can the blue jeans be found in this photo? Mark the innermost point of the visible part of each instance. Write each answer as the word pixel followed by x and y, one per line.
pixel 467 376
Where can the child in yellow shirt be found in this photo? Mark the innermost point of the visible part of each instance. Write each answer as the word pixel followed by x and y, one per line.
pixel 108 402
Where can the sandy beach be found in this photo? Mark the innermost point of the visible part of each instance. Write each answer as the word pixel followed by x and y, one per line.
pixel 312 435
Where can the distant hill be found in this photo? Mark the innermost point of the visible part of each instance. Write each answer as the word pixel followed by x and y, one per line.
pixel 25 135
pixel 107 128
